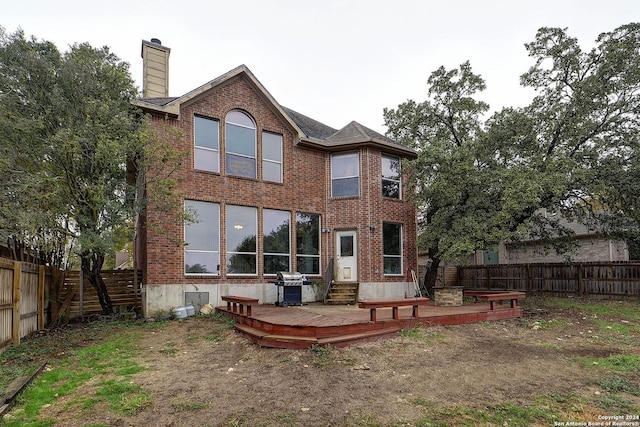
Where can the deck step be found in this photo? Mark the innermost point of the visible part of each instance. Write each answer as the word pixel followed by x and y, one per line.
pixel 266 339
pixel 361 336
pixel 261 337
pixel 342 293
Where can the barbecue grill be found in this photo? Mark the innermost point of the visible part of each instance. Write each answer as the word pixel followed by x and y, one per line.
pixel 291 284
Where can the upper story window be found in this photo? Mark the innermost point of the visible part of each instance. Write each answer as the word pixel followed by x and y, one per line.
pixel 240 144
pixel 271 157
pixel 207 144
pixel 391 177
pixel 345 175
pixel 202 239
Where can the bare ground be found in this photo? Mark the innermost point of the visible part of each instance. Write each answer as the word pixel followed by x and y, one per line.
pixel 198 376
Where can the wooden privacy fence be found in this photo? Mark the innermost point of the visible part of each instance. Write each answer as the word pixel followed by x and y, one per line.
pixel 32 296
pixel 601 279
pixel 24 296
pixel 78 297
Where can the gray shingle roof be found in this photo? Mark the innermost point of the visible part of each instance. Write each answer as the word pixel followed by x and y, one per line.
pixel 160 101
pixel 312 128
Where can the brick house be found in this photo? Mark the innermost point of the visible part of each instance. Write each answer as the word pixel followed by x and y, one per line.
pixel 274 190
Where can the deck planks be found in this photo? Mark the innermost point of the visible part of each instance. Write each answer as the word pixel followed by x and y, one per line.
pixel 315 324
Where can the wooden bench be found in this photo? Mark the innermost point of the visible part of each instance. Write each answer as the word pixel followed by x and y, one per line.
pixel 233 303
pixel 493 296
pixel 394 304
pixel 475 293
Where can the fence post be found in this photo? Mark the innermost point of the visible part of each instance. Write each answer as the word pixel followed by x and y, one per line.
pixel 41 277
pixel 580 270
pixel 17 280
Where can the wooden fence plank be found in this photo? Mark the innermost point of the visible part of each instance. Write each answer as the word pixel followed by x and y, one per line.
pixel 41 279
pixel 17 275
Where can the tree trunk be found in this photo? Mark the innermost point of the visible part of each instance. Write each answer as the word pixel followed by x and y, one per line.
pixel 431 275
pixel 91 267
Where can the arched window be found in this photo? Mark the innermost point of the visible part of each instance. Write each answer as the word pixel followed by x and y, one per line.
pixel 240 131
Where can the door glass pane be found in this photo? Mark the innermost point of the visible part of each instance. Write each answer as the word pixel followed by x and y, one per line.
pixel 346 245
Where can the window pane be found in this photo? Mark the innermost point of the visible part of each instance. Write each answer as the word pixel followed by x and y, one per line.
pixel 272 171
pixel 276 263
pixel 203 235
pixel 392 240
pixel 390 189
pixel 201 262
pixel 391 167
pixel 241 166
pixel 308 264
pixel 272 146
pixel 207 160
pixel 241 264
pixel 346 245
pixel 308 234
pixel 344 165
pixel 206 133
pixel 392 265
pixel 241 229
pixel 202 238
pixel 276 231
pixel 344 187
pixel 241 140
pixel 240 118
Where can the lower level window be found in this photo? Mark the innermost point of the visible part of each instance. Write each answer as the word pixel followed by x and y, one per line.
pixel 202 238
pixel 242 229
pixel 275 244
pixel 392 248
pixel 308 243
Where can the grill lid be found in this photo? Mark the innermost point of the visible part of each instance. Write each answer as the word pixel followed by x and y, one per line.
pixel 289 276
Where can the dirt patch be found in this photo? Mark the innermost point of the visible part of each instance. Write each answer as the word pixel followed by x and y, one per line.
pixel 201 374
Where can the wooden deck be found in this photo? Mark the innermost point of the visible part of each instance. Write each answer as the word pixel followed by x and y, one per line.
pixel 317 324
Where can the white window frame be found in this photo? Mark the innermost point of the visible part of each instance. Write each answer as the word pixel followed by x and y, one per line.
pixel 192 204
pixel 354 174
pixel 397 181
pixel 265 253
pixel 386 256
pixel 312 256
pixel 229 121
pixel 267 161
pixel 232 223
pixel 204 166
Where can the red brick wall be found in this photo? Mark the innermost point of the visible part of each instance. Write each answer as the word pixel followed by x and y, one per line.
pixel 306 188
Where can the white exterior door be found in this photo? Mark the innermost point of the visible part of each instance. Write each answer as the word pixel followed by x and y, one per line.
pixel 346 256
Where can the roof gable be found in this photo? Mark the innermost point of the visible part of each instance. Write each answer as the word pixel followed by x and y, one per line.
pixel 311 133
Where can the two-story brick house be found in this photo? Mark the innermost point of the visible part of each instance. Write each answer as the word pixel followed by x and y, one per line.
pixel 274 190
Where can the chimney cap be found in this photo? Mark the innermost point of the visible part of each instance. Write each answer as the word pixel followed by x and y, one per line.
pixel 156 41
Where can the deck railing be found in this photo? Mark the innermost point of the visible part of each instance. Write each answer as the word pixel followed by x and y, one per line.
pixel 328 278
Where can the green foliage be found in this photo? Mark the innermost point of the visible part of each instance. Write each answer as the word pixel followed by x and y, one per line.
pixel 113 357
pixel 618 363
pixel 420 333
pixel 571 153
pixel 618 384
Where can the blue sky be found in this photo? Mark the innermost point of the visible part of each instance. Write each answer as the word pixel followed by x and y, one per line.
pixel 332 60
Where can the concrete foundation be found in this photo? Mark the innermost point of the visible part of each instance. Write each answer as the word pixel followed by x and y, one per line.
pixel 163 298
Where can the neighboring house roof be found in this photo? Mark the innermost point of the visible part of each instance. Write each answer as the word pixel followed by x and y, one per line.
pixel 310 133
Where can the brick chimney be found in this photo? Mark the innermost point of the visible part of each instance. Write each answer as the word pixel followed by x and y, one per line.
pixel 155 69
